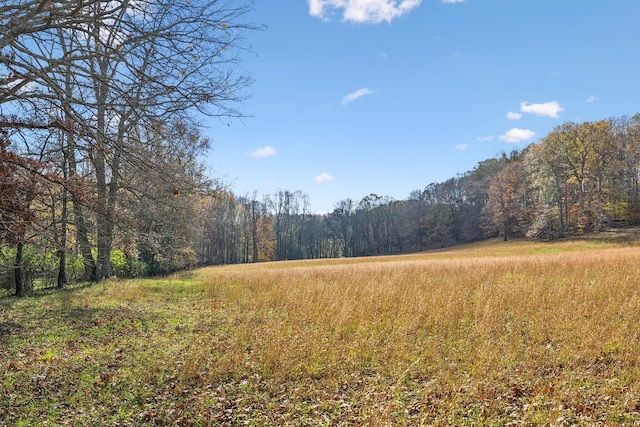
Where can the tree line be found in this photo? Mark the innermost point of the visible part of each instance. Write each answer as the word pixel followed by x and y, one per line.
pixel 580 178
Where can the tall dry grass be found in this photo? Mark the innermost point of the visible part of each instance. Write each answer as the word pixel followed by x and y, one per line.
pixel 496 334
pixel 531 337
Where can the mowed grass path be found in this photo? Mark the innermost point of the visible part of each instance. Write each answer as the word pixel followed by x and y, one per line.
pixel 490 334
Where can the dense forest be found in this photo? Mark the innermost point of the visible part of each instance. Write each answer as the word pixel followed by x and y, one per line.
pixel 102 173
pixel 580 178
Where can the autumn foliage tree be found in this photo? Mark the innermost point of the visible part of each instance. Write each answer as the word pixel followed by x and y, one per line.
pixel 505 197
pixel 19 181
pixel 104 73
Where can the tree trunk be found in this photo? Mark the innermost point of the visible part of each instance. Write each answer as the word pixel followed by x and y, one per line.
pixel 600 203
pixel 82 235
pixel 561 217
pixel 506 228
pixel 71 179
pixel 83 241
pixel 62 249
pixel 20 291
pixel 105 237
pixel 581 196
pixel 62 268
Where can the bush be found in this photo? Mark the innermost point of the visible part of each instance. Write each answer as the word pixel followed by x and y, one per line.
pixel 39 269
pixel 125 267
pixel 119 264
pixel 138 269
pixel 545 225
pixel 75 268
pixel 7 258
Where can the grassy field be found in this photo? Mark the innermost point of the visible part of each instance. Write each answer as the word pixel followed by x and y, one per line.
pixel 490 334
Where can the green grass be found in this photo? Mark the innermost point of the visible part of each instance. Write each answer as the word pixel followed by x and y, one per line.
pixel 492 334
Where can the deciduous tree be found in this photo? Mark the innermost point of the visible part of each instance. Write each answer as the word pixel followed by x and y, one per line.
pixel 505 195
pixel 106 72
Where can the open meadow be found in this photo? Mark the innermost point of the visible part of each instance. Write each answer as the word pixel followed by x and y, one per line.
pixel 518 333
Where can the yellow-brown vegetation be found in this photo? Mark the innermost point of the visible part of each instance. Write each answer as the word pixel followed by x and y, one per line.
pixel 490 334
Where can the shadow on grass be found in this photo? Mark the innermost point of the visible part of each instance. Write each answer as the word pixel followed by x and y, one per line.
pixel 57 316
pixel 69 322
pixel 38 292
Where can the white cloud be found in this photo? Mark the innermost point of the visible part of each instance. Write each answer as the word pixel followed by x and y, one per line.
pixel 111 32
pixel 461 147
pixel 485 138
pixel 28 87
pixel 362 11
pixel 452 1
pixel 266 151
pixel 513 116
pixel 548 109
pixel 517 135
pixel 324 177
pixel 592 99
pixel 357 94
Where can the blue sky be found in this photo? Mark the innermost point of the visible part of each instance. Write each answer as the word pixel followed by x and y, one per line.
pixel 353 97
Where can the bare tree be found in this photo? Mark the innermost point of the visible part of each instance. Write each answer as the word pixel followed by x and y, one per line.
pixel 106 72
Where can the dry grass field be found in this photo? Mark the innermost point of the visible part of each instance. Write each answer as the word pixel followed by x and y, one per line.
pixel 491 334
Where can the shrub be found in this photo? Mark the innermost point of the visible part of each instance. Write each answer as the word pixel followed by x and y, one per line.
pixel 119 264
pixel 138 269
pixel 545 225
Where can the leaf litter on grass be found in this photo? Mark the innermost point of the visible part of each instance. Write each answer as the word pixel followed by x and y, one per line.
pixel 540 339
